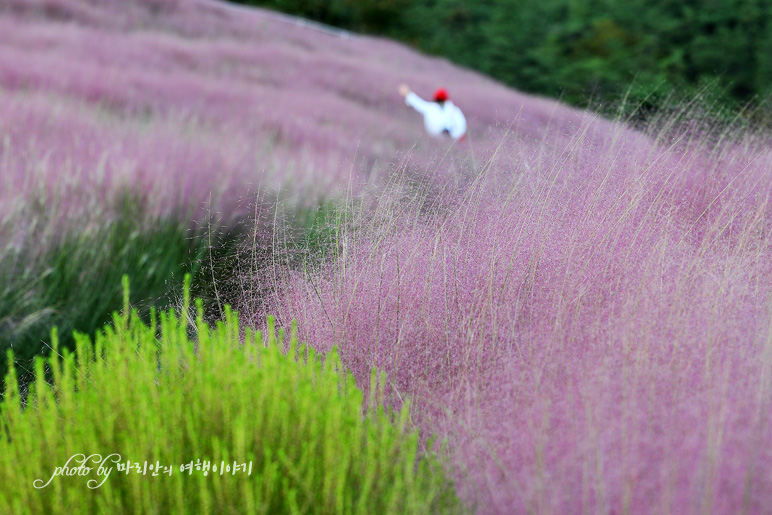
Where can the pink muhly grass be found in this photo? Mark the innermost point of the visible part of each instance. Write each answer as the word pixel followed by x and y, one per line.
pixel 583 311
pixel 200 108
pixel 256 78
pixel 590 328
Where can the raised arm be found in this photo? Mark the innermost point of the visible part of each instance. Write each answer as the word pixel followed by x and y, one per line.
pixel 417 103
pixel 413 100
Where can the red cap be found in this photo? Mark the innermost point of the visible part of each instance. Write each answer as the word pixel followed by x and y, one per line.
pixel 441 95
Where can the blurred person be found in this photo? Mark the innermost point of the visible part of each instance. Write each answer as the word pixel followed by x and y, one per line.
pixel 441 116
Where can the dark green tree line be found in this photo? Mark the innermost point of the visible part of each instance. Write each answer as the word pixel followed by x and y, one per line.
pixel 583 51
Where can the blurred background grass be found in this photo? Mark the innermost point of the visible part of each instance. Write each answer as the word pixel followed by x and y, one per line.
pixel 588 52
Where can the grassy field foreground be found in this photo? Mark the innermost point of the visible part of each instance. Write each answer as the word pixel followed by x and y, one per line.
pixel 149 394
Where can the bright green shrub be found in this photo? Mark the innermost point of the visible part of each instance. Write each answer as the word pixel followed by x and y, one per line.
pixel 151 393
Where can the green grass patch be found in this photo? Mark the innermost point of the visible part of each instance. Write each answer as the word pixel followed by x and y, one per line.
pixel 74 283
pixel 150 392
pixel 315 233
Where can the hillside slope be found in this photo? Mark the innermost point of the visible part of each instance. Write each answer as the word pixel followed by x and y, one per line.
pixel 187 91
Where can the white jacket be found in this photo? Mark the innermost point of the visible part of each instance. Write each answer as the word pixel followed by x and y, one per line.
pixel 439 118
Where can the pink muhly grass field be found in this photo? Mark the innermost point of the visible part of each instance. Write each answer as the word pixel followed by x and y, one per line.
pixel 589 327
pixel 583 311
pixel 184 100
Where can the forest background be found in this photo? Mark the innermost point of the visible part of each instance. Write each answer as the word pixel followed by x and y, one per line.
pixel 596 54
